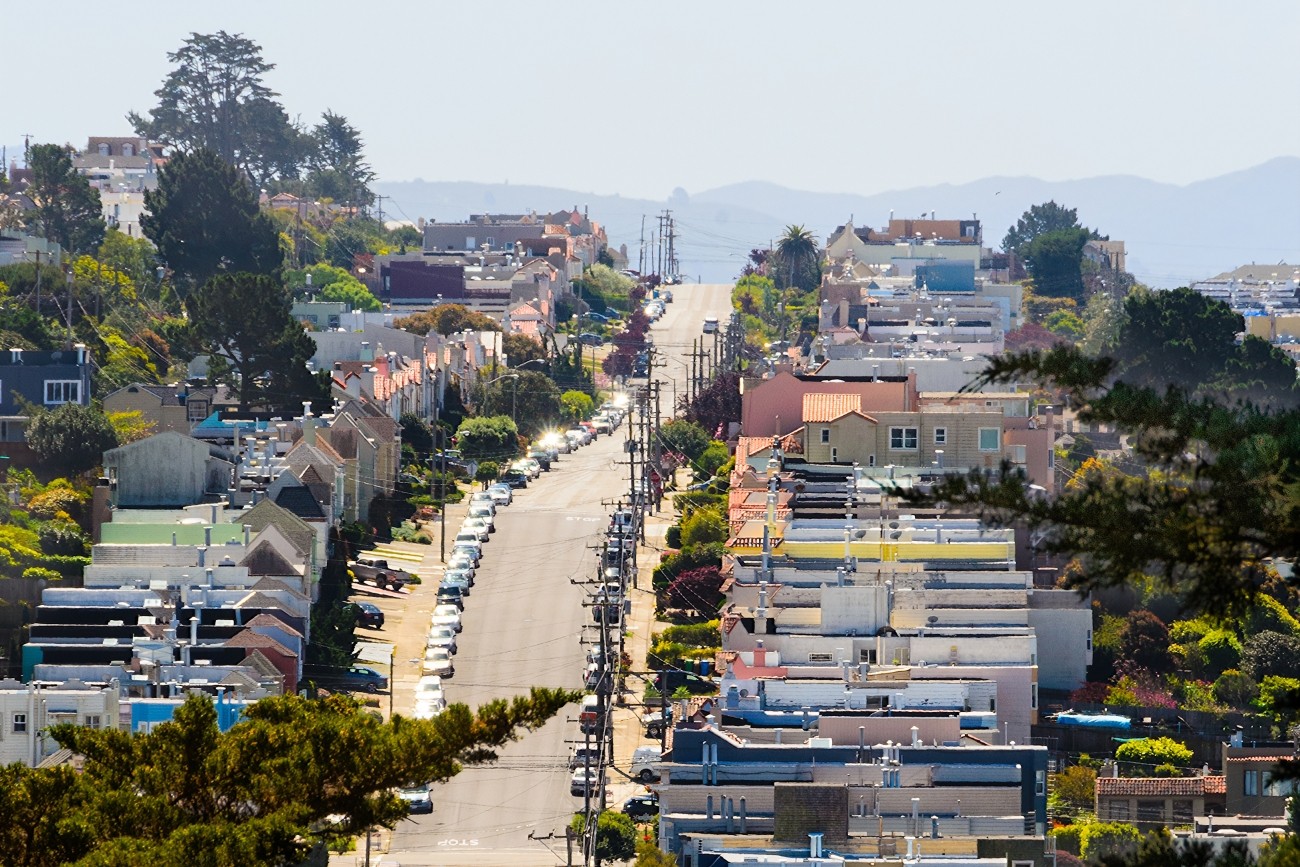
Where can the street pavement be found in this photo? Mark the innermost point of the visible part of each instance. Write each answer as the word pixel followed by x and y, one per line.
pixel 525 625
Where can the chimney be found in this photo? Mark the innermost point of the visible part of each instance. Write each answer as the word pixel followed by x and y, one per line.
pixel 207 537
pixel 367 352
pixel 308 424
pixel 844 312
pixel 815 844
pixel 16 355
pixel 248 532
pixel 916 742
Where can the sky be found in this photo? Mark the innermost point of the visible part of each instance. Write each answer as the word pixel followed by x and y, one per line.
pixel 640 98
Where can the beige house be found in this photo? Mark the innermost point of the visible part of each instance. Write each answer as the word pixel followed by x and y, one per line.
pixel 1151 802
pixel 836 430
pixel 169 407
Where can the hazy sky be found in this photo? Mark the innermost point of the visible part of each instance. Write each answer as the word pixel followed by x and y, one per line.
pixel 640 98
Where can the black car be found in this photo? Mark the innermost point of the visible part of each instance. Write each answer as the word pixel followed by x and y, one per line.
pixel 450 594
pixel 515 479
pixel 368 614
pixel 641 807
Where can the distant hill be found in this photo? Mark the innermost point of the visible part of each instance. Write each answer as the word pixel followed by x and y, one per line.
pixel 1174 234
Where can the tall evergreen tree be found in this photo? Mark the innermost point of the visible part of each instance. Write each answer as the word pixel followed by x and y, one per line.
pixel 204 220
pixel 68 209
pixel 339 168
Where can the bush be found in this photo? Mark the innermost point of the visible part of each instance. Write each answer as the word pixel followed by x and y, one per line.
pixel 693 558
pixel 1235 689
pixel 1221 651
pixel 673 536
pixel 712 459
pixel 705 526
pixel 695 634
pixel 49 504
pixel 1099 840
pixel 41 573
pixel 1068 838
pixel 61 537
pixel 685 437
pixel 1271 653
pixel 1154 751
pixel 698 589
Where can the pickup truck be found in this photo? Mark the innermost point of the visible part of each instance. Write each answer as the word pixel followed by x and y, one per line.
pixel 378 572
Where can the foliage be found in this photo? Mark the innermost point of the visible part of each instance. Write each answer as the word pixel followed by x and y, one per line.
pixel 1145 641
pixel 67 209
pixel 332 284
pixel 130 425
pixel 797 257
pixel 204 219
pixel 716 405
pixel 650 855
pixel 339 170
pixel 1039 220
pixel 1220 651
pixel 484 437
pixel 71 438
pixel 684 437
pixel 215 99
pixel 706 634
pixel 447 319
pixel 1235 689
pixel 1153 751
pixel 1074 788
pixel 577 405
pixel 63 538
pixel 1103 322
pixel 615 836
pixel 697 589
pixel 704 526
pixel 605 284
pixel 712 459
pixel 1270 653
pixel 416 433
pixel 1065 323
pixel 1098 840
pixel 531 398
pixel 56 500
pixel 682 561
pixel 1055 261
pixel 244 321
pixel 521 349
pixel 1280 698
pixel 261 793
pixel 488 472
pixel 1269 615
pixel 1139 691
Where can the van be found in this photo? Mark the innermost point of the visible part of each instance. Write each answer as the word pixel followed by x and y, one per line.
pixel 711 325
pixel 645 764
pixel 589 717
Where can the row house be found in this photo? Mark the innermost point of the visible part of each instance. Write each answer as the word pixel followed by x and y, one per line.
pixel 176 407
pixel 42 378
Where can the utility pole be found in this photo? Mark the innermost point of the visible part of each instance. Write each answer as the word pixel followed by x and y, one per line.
pixel 690 386
pixel 640 265
pixel 379 205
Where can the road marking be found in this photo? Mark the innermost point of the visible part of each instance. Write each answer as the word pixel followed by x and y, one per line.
pixel 455 842
pixel 590 520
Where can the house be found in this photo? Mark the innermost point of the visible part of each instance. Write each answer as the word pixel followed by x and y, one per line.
pixel 775 405
pixel 47 378
pixel 121 168
pixel 177 407
pixel 1252 789
pixel 168 469
pixel 1150 802
pixel 27 710
pixel 907 239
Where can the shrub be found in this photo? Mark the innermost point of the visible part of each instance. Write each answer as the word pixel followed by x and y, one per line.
pixel 1067 838
pixel 49 504
pixel 39 572
pixel 61 537
pixel 695 634
pixel 1154 751
pixel 1271 653
pixel 704 526
pixel 1099 840
pixel 694 558
pixel 698 589
pixel 1221 651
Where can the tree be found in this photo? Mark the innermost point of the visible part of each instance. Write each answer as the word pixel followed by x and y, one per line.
pixel 697 589
pixel 684 437
pixel 71 438
pixel 416 433
pixel 1075 788
pixel 703 526
pixel 483 438
pixel 1099 840
pixel 1065 323
pixel 1055 262
pixel 797 253
pixel 243 320
pixel 307 772
pixel 215 99
pixel 1039 220
pixel 650 855
pixel 716 406
pixel 204 220
pixel 352 291
pixel 615 836
pixel 68 210
pixel 1270 653
pixel 339 170
pixel 488 472
pixel 577 405
pixel 1153 751
pixel 447 319
pixel 521 349
pixel 712 459
pixel 529 397
pixel 1146 641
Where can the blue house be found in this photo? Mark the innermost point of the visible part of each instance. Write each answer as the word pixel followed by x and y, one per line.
pixel 42 378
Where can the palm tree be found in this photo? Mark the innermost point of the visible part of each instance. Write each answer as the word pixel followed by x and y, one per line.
pixel 796 247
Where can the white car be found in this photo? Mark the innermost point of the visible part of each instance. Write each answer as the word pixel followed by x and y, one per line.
pixel 442 636
pixel 471 548
pixel 484 509
pixel 437 660
pixel 429 688
pixel 479 527
pixel 461 562
pixel 428 709
pixel 446 615
pixel 480 497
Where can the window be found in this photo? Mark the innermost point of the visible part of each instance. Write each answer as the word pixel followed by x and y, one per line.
pixel 128 150
pixel 941 436
pixel 1090 641
pixel 1250 783
pixel 20 723
pixel 903 438
pixel 867 655
pixel 990 439
pixel 1117 810
pixel 1033 695
pixel 826 434
pixel 1277 788
pixel 102 149
pixel 1182 812
pixel 59 391
pixel 1040 783
pixel 814 658
pixel 1151 811
pixel 94 721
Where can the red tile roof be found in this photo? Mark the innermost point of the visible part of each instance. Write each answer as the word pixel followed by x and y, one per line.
pixel 828 407
pixel 1159 786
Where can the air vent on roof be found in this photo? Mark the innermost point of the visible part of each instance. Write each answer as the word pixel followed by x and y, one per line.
pixel 147 620
pixel 225 623
pixel 109 642
pixel 117 623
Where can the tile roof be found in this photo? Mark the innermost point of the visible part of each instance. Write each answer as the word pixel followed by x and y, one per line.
pixel 1276 758
pixel 828 407
pixel 1159 786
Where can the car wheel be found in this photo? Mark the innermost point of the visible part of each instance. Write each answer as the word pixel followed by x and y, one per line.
pixel 371 688
pixel 647 775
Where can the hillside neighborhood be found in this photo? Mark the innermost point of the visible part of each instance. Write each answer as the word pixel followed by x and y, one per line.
pixel 335 538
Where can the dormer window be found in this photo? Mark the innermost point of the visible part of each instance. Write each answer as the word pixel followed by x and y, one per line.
pixel 128 150
pixel 104 149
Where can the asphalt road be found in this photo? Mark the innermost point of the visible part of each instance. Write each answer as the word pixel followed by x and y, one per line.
pixel 523 626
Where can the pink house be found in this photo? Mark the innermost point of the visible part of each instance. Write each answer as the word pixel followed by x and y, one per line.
pixel 775 406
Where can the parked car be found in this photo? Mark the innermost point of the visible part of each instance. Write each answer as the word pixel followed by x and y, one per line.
pixel 597 317
pixel 485 509
pixel 654 722
pixel 446 615
pixel 645 763
pixel 502 494
pixel 710 325
pixel 358 678
pixel 449 594
pixel 531 466
pixel 379 573
pixel 479 527
pixel 641 807
pixel 419 799
pixel 442 636
pixel 666 295
pixel 457 581
pixel 590 338
pixel 542 457
pixel 463 563
pixel 472 548
pixel 585 779
pixel 470 538
pixel 428 709
pixel 578 435
pixel 437 660
pixel 515 478
pixel 369 615
pixel 429 689
pixel 583 757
